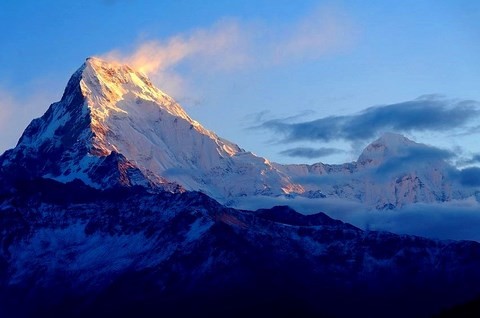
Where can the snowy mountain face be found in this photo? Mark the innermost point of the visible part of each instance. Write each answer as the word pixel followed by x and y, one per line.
pixel 109 110
pixel 111 119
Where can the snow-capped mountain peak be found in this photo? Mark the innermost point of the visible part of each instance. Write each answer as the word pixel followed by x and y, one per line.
pixel 389 145
pixel 107 83
pixel 117 94
pixel 109 109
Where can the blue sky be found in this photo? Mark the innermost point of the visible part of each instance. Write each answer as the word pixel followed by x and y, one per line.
pixel 236 66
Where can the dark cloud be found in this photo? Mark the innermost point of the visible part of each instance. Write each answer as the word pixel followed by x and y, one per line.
pixel 428 113
pixel 411 158
pixel 310 153
pixel 473 160
pixel 470 177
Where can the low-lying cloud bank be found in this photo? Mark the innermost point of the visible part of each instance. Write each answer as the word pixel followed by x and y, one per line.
pixel 456 220
pixel 470 176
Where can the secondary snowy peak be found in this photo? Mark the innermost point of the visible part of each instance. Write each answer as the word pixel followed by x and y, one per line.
pixel 391 172
pixel 389 145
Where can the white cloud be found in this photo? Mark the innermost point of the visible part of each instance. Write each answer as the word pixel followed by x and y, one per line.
pixel 6 102
pixel 324 31
pixel 232 45
pixel 220 47
pixel 17 111
pixel 8 131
